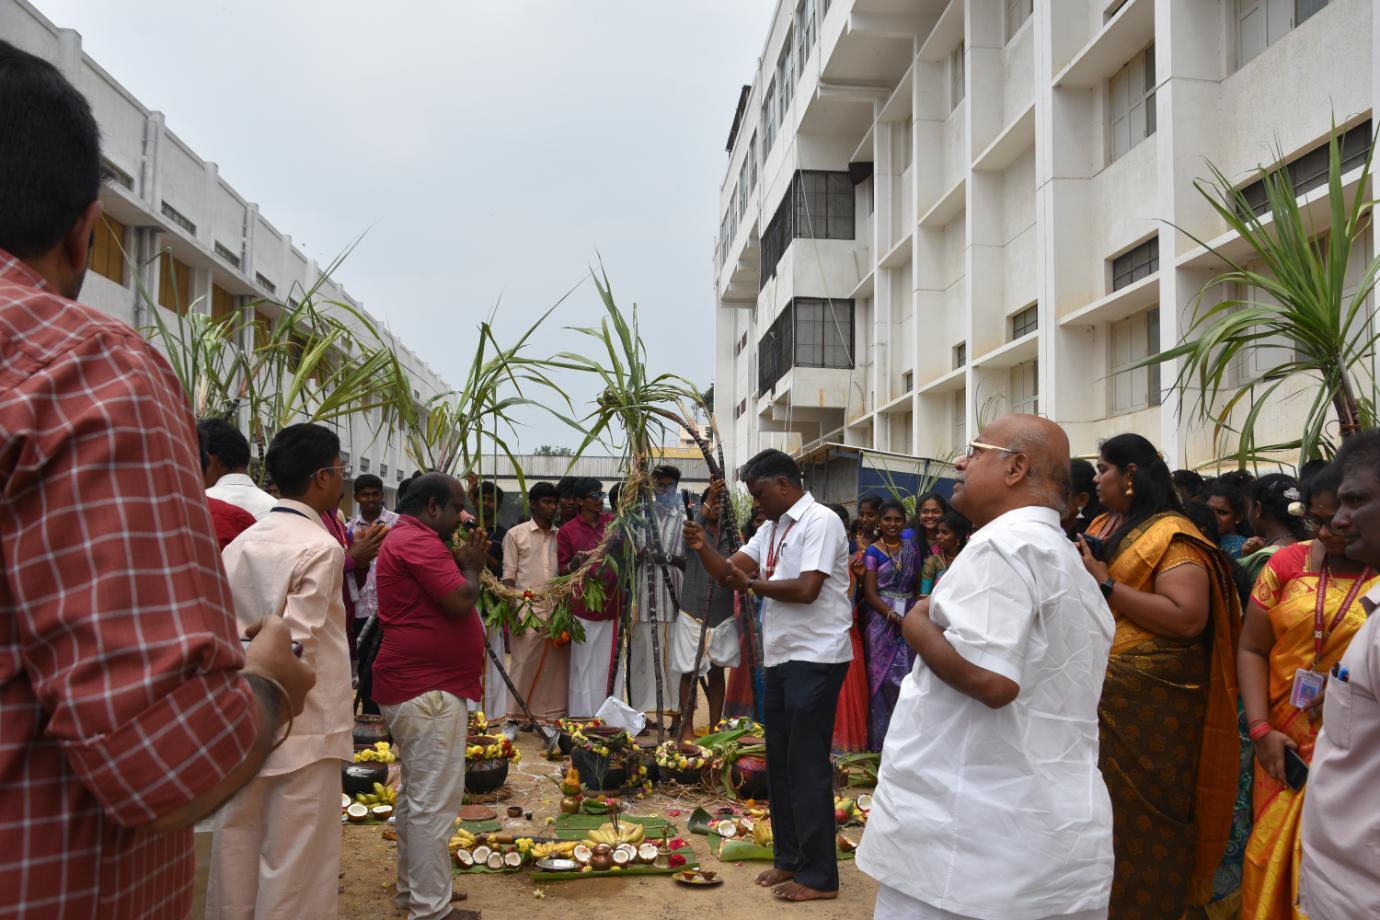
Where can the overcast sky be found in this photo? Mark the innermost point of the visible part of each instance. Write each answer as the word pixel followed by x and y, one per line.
pixel 489 149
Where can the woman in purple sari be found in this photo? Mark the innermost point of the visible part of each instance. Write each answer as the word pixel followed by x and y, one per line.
pixel 890 584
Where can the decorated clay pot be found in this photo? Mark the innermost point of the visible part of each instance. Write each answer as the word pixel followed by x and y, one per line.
pixel 369 730
pixel 485 776
pixel 749 777
pixel 593 766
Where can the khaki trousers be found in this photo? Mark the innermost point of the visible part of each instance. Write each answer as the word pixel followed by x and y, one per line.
pixel 276 850
pixel 429 731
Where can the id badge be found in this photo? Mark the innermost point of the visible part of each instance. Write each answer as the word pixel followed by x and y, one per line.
pixel 1308 686
pixel 898 605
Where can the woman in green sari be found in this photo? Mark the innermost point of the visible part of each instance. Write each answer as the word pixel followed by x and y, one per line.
pixel 1170 751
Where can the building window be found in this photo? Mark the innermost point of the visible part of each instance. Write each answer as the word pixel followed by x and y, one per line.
pixel 383 469
pixel 1310 170
pixel 1261 23
pixel 810 332
pixel 224 252
pixel 222 303
pixel 1025 388
pixel 1017 12
pixel 907 381
pixel 740 409
pixel 804 34
pixel 174 284
pixel 107 249
pixel 957 86
pixel 177 217
pixel 817 205
pixel 1025 322
pixel 112 173
pixel 1132 341
pixel 959 430
pixel 400 475
pixel 1131 103
pixel 265 283
pixel 960 355
pixel 1138 263
pixel 785 80
pixel 364 464
pixel 752 163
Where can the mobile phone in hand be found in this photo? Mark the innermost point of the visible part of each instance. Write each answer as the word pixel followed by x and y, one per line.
pixel 1295 770
pixel 296 646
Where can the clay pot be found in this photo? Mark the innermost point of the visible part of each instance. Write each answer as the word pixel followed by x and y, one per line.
pixel 749 777
pixel 565 743
pixel 370 729
pixel 570 805
pixel 592 766
pixel 359 778
pixel 485 776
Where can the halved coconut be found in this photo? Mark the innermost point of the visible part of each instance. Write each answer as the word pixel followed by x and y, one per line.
pixel 382 811
pixel 845 844
pixel 464 858
pixel 481 854
pixel 865 802
pixel 726 828
pixel 357 812
pixel 745 825
pixel 512 859
pixel 495 861
pixel 620 857
pixel 345 801
pixel 630 850
pixel 582 854
pixel 647 853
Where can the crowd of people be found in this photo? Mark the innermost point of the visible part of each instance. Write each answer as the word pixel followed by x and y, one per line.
pixel 1099 689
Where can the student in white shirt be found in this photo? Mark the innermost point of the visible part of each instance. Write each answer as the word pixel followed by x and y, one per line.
pixel 990 803
pixel 799 566
pixel 227 475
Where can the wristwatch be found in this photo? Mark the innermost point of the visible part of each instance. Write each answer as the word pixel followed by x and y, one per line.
pixel 1107 587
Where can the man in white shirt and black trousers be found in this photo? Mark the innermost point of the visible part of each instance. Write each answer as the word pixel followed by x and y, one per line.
pixel 990 803
pixel 799 566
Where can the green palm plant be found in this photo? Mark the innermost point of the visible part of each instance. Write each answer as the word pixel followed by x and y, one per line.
pixel 1308 301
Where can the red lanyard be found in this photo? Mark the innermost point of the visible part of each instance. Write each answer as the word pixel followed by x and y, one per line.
pixel 774 552
pixel 1319 637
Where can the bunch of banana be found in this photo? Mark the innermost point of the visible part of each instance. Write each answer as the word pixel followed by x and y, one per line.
pixel 761 833
pixel 564 848
pixel 381 752
pixel 463 839
pixel 626 832
pixel 382 795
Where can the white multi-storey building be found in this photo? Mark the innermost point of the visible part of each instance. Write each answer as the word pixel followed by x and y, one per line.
pixel 200 245
pixel 936 211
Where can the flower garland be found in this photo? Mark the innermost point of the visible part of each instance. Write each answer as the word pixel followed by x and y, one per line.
pixel 670 756
pixel 598 744
pixel 479 724
pixel 491 749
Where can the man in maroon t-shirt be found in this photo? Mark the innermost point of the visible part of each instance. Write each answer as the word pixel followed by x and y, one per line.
pixel 427 670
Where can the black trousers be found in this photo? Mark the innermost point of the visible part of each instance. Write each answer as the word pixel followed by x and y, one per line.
pixel 801 698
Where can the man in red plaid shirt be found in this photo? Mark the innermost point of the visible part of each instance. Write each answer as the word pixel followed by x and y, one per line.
pixel 127 708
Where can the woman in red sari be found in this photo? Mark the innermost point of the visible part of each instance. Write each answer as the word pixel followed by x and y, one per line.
pixel 850 718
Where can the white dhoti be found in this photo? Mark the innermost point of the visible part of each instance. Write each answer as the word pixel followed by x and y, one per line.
pixel 590 662
pixel 276 850
pixel 721 647
pixel 430 733
pixel 496 696
pixel 895 905
pixel 643 675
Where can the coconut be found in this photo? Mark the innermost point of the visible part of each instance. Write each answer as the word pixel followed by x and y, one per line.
pixel 464 858
pixel 382 811
pixel 481 854
pixel 345 801
pixel 629 849
pixel 726 828
pixel 745 825
pixel 845 844
pixel 582 853
pixel 620 857
pixel 357 812
pixel 513 859
pixel 495 861
pixel 647 853
pixel 865 802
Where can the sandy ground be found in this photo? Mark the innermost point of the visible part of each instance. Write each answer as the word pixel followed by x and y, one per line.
pixel 368 870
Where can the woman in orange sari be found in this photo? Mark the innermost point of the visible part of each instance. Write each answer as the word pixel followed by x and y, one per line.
pixel 1303 589
pixel 1170 750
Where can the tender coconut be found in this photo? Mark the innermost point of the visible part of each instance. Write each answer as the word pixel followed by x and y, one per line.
pixel 513 859
pixel 464 858
pixel 481 854
pixel 495 861
pixel 357 812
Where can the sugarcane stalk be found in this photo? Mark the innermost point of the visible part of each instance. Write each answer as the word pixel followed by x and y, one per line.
pixel 654 537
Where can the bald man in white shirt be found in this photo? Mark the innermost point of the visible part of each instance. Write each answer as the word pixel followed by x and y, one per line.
pixel 990 804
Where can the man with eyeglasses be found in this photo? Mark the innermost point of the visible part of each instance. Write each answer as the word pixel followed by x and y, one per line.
pixel 990 803
pixel 594 660
pixel 276 850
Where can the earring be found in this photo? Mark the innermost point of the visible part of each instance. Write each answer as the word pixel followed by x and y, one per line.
pixel 1130 489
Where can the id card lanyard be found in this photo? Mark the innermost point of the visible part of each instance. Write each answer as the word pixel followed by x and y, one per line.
pixel 775 546
pixel 1319 636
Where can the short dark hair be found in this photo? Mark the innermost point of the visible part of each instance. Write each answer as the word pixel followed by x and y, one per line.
pixel 423 489
pixel 772 464
pixel 367 481
pixel 224 441
pixel 297 453
pixel 1188 481
pixel 585 486
pixel 1360 449
pixel 1229 493
pixel 404 486
pixel 541 490
pixel 50 154
pixel 489 488
pixel 565 487
pixel 666 471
